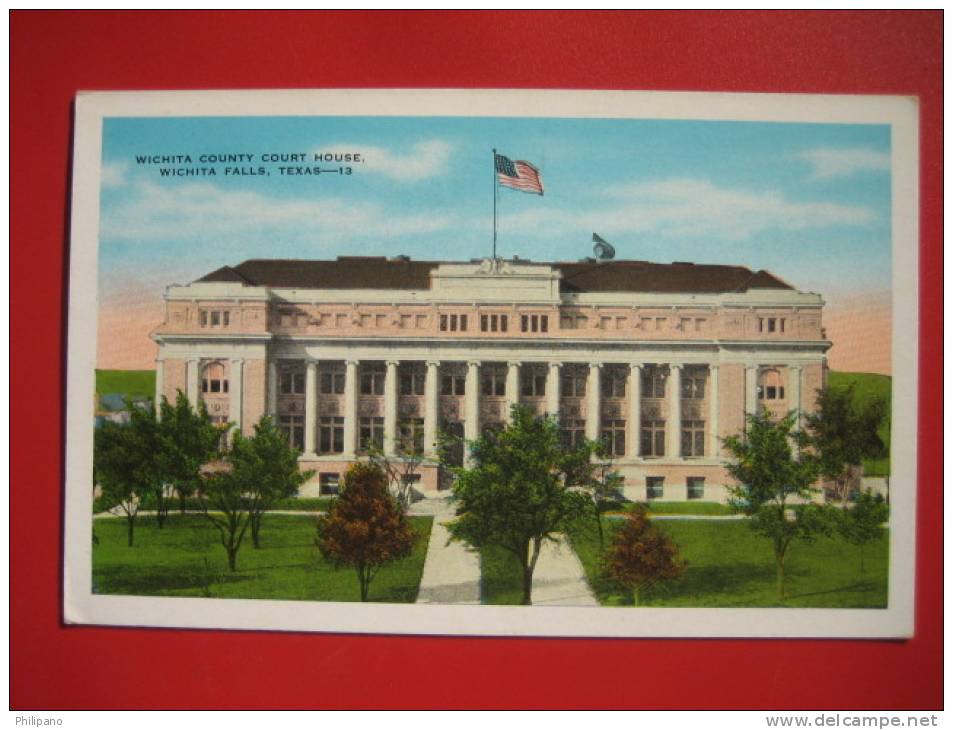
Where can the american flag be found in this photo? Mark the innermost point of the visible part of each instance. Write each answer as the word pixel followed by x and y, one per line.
pixel 519 175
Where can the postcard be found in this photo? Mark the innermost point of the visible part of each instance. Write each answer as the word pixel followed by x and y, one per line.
pixel 496 362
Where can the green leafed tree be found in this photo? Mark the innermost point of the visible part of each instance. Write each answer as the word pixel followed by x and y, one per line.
pixel 775 470
pixel 843 432
pixel 863 522
pixel 189 439
pixel 641 555
pixel 605 489
pixel 226 505
pixel 524 487
pixel 365 528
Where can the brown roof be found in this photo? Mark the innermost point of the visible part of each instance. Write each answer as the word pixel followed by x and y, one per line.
pixel 378 272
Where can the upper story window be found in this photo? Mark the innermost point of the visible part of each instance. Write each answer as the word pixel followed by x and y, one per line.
pixel 372 379
pixel 453 385
pixel 573 382
pixel 291 382
pixel 534 323
pixel 771 324
pixel 493 381
pixel 613 382
pixel 332 382
pixel 770 385
pixel 214 317
pixel 453 322
pixel 412 380
pixel 572 432
pixel 493 322
pixel 573 322
pixel 532 383
pixel 693 383
pixel 653 382
pixel 213 378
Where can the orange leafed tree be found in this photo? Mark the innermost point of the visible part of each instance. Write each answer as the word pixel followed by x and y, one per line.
pixel 364 528
pixel 641 555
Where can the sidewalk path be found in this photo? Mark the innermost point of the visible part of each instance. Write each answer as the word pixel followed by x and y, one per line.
pixel 451 571
pixel 559 579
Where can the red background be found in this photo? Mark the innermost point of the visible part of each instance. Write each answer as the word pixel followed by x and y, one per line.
pixel 55 54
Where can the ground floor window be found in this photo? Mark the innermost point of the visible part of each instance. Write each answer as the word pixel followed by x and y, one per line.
pixel 653 438
pixel 693 438
pixel 613 436
pixel 329 484
pixel 293 428
pixel 372 433
pixel 412 435
pixel 331 435
pixel 573 432
pixel 654 487
pixel 696 487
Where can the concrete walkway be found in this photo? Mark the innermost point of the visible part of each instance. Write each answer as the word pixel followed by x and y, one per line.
pixel 559 578
pixel 451 571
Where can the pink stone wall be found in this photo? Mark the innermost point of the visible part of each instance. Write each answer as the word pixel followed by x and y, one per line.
pixel 173 378
pixel 254 394
pixel 428 475
pixel 812 380
pixel 731 400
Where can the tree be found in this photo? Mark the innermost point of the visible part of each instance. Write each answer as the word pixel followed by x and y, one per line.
pixel 524 488
pixel 605 487
pixel 364 528
pixel 230 511
pixel 125 463
pixel 862 523
pixel 266 468
pixel 399 470
pixel 770 472
pixel 843 433
pixel 188 440
pixel 641 555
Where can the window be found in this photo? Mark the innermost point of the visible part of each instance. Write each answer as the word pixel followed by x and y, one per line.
pixel 693 383
pixel 412 435
pixel 406 321
pixel 412 380
pixel 372 379
pixel 420 321
pixel 693 438
pixel 534 322
pixel 573 432
pixel 770 387
pixel 329 484
pixel 332 382
pixel 372 433
pixel 696 487
pixel 293 428
pixel 291 383
pixel 573 322
pixel 213 318
pixel 533 383
pixel 213 378
pixel 770 324
pixel 493 322
pixel 653 382
pixel 493 381
pixel 653 437
pixel 613 436
pixel 573 382
pixel 331 435
pixel 453 322
pixel 453 385
pixel 613 383
pixel 605 323
pixel 654 487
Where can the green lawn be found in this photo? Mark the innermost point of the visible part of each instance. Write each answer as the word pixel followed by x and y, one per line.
pixel 681 508
pixel 867 386
pixel 502 577
pixel 132 383
pixel 171 562
pixel 296 504
pixel 729 566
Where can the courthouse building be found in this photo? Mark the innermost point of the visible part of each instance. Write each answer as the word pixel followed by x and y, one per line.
pixel 660 361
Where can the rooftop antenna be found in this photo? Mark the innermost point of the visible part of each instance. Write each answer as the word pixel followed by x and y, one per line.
pixel 602 250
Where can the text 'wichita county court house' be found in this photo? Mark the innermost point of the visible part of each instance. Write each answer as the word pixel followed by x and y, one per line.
pixel 660 361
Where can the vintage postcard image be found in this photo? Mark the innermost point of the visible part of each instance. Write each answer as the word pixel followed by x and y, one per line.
pixel 493 362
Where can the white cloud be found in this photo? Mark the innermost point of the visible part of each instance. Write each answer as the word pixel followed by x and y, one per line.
pixel 831 162
pixel 204 211
pixel 688 207
pixel 426 159
pixel 113 174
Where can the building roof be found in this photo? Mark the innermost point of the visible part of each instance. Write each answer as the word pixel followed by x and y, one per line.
pixel 378 272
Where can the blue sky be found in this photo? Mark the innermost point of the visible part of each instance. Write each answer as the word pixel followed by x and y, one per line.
pixel 809 202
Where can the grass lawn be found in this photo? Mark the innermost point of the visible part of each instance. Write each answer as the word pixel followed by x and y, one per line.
pixel 133 383
pixel 728 565
pixel 303 504
pixel 682 508
pixel 502 577
pixel 171 562
pixel 866 387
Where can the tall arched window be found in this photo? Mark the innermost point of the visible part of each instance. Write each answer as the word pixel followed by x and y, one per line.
pixel 770 385
pixel 213 378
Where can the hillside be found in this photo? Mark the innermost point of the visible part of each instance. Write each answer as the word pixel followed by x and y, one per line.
pixel 132 383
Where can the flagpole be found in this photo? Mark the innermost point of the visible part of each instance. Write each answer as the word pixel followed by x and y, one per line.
pixel 494 203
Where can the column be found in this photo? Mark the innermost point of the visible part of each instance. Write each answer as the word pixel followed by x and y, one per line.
pixel 430 409
pixel 635 409
pixel 751 390
pixel 235 391
pixel 160 385
pixel 593 401
pixel 390 409
pixel 471 425
pixel 192 381
pixel 512 389
pixel 794 393
pixel 553 383
pixel 350 409
pixel 714 443
pixel 273 389
pixel 311 408
pixel 674 449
